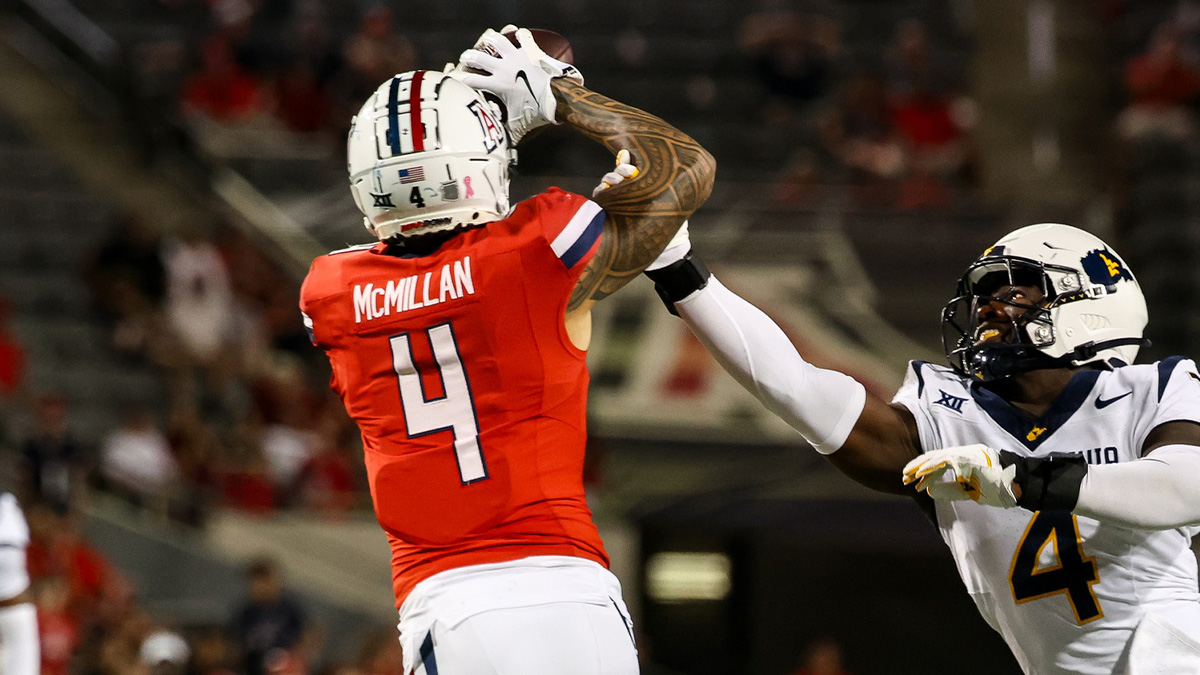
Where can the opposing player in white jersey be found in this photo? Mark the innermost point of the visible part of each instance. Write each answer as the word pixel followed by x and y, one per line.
pixel 1093 573
pixel 19 650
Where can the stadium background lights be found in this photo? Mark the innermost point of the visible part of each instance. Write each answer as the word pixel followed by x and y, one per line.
pixel 687 576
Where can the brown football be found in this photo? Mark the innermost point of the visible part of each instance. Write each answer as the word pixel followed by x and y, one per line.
pixel 555 45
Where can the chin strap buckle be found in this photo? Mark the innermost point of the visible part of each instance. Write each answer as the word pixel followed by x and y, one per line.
pixel 1086 351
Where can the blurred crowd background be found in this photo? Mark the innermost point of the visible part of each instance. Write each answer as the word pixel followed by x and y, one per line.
pixel 152 360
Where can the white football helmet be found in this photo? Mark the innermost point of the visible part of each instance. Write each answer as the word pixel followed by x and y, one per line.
pixel 1093 309
pixel 427 153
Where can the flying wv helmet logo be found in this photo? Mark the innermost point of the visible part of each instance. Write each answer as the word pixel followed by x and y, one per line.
pixel 1104 267
pixel 493 133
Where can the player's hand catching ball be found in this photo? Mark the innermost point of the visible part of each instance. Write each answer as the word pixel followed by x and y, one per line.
pixel 556 59
pixel 964 472
pixel 519 75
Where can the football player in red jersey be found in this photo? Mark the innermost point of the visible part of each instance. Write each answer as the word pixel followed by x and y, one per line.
pixel 458 343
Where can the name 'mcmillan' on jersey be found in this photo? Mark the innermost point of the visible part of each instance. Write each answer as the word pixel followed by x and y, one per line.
pixel 1066 592
pixel 402 295
pixel 469 345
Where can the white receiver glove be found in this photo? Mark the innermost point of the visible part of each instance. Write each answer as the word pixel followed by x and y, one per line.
pixel 518 76
pixel 964 472
pixel 552 66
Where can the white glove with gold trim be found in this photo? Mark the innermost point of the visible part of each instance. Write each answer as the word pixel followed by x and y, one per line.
pixel 624 169
pixel 965 472
pixel 679 245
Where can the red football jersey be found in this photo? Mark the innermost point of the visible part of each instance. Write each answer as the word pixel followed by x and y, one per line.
pixel 469 395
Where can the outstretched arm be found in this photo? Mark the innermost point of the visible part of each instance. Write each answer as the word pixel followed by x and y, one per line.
pixel 675 177
pixel 859 433
pixel 863 436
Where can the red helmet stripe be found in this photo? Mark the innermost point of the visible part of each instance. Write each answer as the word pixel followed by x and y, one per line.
pixel 414 111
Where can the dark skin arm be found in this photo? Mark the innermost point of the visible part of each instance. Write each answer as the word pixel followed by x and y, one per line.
pixel 1171 433
pixel 883 440
pixel 644 213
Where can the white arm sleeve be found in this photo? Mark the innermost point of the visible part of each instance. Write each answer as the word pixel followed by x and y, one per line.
pixel 20 653
pixel 1160 491
pixel 823 405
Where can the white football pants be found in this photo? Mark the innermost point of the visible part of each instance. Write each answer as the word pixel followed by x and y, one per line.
pixel 545 615
pixel 1162 645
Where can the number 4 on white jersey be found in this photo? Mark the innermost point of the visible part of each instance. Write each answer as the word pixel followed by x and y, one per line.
pixel 454 411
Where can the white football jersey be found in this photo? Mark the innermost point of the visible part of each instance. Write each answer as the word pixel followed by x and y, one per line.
pixel 1065 591
pixel 14 538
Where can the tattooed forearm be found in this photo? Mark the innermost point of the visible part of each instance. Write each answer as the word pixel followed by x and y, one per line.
pixel 676 177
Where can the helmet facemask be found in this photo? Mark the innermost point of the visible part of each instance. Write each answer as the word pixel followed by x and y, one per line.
pixel 1090 309
pixel 985 349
